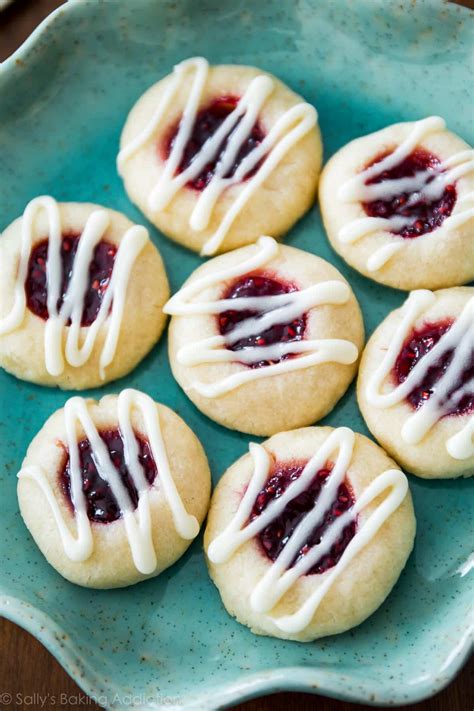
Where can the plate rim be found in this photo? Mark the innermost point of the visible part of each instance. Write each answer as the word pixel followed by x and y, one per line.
pixel 248 685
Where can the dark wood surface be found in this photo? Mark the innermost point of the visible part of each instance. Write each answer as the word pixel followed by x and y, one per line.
pixel 30 678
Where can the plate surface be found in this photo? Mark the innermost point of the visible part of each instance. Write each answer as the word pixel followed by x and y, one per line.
pixel 168 642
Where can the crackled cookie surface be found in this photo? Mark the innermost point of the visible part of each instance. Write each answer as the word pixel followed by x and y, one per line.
pixel 308 533
pixel 398 205
pixel 217 156
pixel 416 383
pixel 81 294
pixel 265 338
pixel 114 491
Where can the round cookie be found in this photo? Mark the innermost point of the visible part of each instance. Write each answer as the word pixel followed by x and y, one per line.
pixel 307 534
pixel 81 295
pixel 416 383
pixel 217 156
pixel 398 205
pixel 265 338
pixel 140 483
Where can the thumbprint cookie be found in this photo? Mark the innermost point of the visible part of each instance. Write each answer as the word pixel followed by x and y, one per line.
pixel 217 156
pixel 308 533
pixel 265 338
pixel 81 294
pixel 113 491
pixel 416 383
pixel 398 205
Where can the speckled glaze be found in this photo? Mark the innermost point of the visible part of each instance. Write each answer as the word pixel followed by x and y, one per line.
pixel 168 642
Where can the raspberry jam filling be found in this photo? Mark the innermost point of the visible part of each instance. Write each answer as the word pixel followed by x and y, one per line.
pixel 425 214
pixel 207 122
pixel 418 344
pixel 260 285
pixel 275 536
pixel 100 271
pixel 102 506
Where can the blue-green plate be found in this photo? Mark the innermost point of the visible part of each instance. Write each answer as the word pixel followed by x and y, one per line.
pixel 64 96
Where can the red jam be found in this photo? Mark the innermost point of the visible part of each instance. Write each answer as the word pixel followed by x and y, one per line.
pixel 426 215
pixel 417 345
pixel 207 122
pixel 102 506
pixel 260 285
pixel 275 536
pixel 100 272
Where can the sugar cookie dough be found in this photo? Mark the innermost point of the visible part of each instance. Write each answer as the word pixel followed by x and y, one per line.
pixel 217 156
pixel 81 294
pixel 265 338
pixel 114 491
pixel 416 383
pixel 398 205
pixel 308 533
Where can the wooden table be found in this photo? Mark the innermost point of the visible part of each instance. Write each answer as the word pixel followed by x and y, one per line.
pixel 30 678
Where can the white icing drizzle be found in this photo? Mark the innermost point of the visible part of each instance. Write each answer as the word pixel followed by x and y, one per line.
pixel 79 342
pixel 286 132
pixel 137 521
pixel 280 577
pixel 421 186
pixel 460 338
pixel 271 310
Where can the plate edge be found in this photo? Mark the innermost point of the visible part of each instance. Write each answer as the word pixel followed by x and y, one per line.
pixel 301 679
pixel 250 687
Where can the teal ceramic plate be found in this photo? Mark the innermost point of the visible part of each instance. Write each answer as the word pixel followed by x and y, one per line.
pixel 64 96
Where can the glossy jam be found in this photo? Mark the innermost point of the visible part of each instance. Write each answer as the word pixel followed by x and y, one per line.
pixel 102 506
pixel 207 122
pixel 100 272
pixel 417 345
pixel 275 536
pixel 425 215
pixel 260 285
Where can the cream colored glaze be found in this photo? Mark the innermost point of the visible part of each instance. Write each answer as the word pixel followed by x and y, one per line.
pixel 460 338
pixel 137 522
pixel 65 325
pixel 280 577
pixel 285 133
pixel 421 186
pixel 271 310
